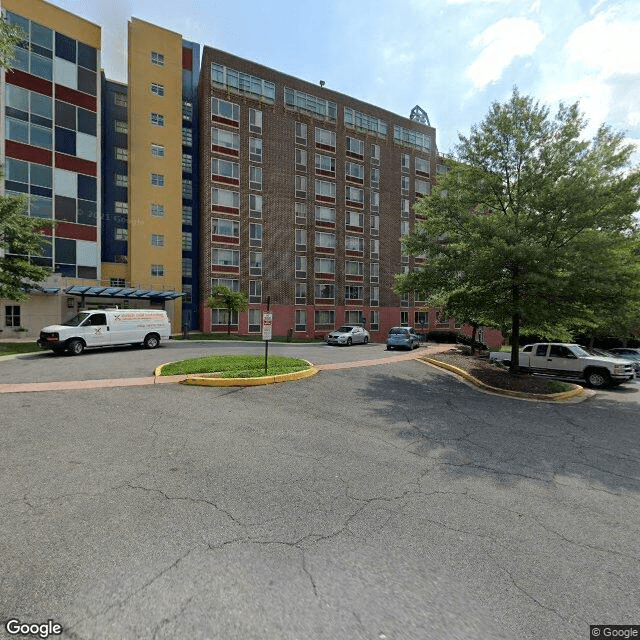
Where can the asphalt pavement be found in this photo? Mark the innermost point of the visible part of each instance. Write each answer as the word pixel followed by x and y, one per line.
pixel 381 502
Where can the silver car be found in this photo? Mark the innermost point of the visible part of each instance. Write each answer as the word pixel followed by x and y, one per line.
pixel 349 334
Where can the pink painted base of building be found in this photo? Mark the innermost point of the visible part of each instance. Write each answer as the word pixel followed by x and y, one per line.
pixel 284 320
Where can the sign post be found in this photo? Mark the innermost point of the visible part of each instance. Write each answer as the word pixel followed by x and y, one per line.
pixel 267 332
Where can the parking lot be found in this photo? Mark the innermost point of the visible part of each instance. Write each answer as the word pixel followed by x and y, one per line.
pixel 385 502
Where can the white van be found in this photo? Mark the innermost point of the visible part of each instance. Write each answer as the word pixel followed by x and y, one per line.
pixel 107 327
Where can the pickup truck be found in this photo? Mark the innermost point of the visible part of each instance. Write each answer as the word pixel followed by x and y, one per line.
pixel 564 360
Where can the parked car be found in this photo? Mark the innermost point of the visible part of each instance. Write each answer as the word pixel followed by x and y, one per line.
pixel 404 337
pixel 627 353
pixel 349 334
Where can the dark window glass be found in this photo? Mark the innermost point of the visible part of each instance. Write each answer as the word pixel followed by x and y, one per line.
pixel 16 113
pixel 86 122
pixel 65 115
pixel 87 212
pixel 88 272
pixel 43 122
pixel 87 188
pixel 65 209
pixel 87 81
pixel 41 207
pixel 97 319
pixel 42 262
pixel 65 47
pixel 87 56
pixel 10 185
pixel 45 53
pixel 41 36
pixel 41 191
pixel 65 250
pixel 66 141
pixel 67 270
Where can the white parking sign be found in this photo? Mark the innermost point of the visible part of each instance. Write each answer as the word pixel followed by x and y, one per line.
pixel 267 322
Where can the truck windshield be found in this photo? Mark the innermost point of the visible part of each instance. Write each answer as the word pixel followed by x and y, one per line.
pixel 76 320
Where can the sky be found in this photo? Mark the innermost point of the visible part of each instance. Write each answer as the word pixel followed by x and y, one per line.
pixel 454 58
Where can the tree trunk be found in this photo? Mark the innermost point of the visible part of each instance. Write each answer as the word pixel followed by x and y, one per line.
pixel 514 367
pixel 592 339
pixel 228 322
pixel 474 327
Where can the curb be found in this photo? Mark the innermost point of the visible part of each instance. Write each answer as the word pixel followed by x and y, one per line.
pixel 550 397
pixel 208 380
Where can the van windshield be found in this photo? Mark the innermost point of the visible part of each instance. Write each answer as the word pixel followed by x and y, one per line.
pixel 76 320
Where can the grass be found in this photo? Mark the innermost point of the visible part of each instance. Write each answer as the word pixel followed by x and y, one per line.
pixel 558 387
pixel 11 348
pixel 236 366
pixel 233 336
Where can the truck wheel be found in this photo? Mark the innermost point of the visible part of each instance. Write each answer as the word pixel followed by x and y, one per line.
pixel 76 347
pixel 597 378
pixel 151 341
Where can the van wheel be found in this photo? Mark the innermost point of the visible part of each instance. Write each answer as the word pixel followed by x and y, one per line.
pixel 597 378
pixel 151 341
pixel 76 347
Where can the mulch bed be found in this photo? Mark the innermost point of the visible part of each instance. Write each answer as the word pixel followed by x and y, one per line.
pixel 480 367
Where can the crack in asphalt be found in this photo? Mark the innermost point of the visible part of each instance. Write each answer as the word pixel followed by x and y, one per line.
pixel 166 621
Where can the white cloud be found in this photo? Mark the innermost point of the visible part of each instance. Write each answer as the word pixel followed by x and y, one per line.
pixel 606 44
pixel 503 41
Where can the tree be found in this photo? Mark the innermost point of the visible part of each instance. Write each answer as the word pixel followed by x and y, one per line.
pixel 529 223
pixel 224 298
pixel 19 234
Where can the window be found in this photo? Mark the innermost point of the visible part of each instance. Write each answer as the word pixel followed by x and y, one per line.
pixel 374 271
pixel 301 292
pixel 187 241
pixel 374 296
pixel 255 206
pixel 405 207
pixel 301 239
pixel 352 292
pixel 301 266
pixel 255 121
pixel 157 240
pixel 220 317
pixel 354 243
pixel 301 158
pixel 120 99
pixel 225 257
pixel 121 207
pixel 375 202
pixel 404 318
pixel 242 82
pixel 225 169
pixel 415 139
pixel 404 185
pixel 157 150
pixel 187 163
pixel 405 162
pixel 187 267
pixel 157 89
pixel 121 180
pixel 325 266
pixel 358 120
pixel 157 119
pixel 255 149
pixel 353 268
pixel 311 104
pixel 355 147
pixel 375 248
pixel 325 138
pixel 121 234
pixel 188 294
pixel 325 317
pixel 375 225
pixel 354 219
pixel 404 227
pixel 255 234
pixel 187 110
pixel 255 263
pixel 255 319
pixel 157 270
pixel 301 320
pixel 355 195
pixel 12 315
pixel 157 180
pixel 325 214
pixel 324 291
pixel 121 126
pixel 224 227
pixel 157 58
pixel 301 186
pixel 325 164
pixel 255 178
pixel 122 154
pixel 225 110
pixel 421 318
pixel 225 198
pixel 301 212
pixel 225 140
pixel 375 154
pixel 301 133
pixel 374 324
pixel 187 137
pixel 255 291
pixel 325 240
pixel 113 282
pixel 422 188
pixel 375 176
pixel 354 171
pixel 325 190
pixel 157 210
pixel 230 283
pixel 423 166
pixel 187 214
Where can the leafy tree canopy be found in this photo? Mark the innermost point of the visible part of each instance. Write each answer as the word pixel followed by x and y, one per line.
pixel 224 298
pixel 532 225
